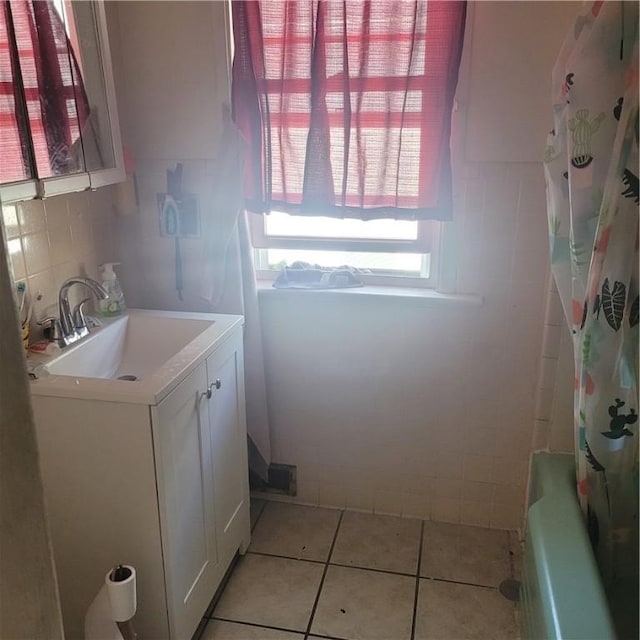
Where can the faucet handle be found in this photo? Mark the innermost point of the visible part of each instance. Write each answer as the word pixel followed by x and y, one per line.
pixel 52 329
pixel 78 314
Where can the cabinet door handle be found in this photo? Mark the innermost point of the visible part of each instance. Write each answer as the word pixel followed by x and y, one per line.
pixel 216 384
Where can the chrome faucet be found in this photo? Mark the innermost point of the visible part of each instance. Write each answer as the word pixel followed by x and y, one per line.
pixel 73 325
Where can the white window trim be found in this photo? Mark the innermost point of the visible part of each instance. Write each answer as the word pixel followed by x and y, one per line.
pixel 428 241
pixel 444 255
pixel 443 244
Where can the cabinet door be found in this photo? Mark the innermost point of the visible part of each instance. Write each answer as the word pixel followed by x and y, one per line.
pixel 185 489
pixel 229 448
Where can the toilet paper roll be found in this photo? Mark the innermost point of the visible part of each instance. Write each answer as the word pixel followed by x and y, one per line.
pixel 98 623
pixel 121 587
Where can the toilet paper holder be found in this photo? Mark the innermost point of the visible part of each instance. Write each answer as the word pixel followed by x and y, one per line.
pixel 110 614
pixel 121 588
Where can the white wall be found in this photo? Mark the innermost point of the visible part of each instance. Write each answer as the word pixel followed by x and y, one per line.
pixel 400 408
pixel 403 408
pixel 171 74
pixel 175 63
pixel 513 48
pixel 385 405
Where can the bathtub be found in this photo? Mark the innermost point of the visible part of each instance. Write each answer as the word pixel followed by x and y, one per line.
pixel 561 593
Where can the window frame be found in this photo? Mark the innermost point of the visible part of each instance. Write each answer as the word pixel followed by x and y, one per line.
pixel 427 242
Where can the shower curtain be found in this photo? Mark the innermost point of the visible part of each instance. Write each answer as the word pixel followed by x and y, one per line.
pixel 591 168
pixel 228 283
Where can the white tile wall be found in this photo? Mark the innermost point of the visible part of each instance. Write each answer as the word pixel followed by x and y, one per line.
pixel 148 269
pixel 561 436
pixel 393 408
pixel 400 410
pixel 422 411
pixel 53 239
pixel 553 425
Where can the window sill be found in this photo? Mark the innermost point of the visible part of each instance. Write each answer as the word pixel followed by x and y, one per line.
pixel 427 297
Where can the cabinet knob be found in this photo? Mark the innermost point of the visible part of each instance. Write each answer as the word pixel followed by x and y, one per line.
pixel 216 384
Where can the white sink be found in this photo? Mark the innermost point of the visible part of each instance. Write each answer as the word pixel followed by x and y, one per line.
pixel 135 345
pixel 138 357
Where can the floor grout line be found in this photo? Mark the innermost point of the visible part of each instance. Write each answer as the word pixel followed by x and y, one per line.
pixel 417 589
pixel 278 555
pixel 322 635
pixel 328 562
pixel 332 564
pixel 466 584
pixel 324 573
pixel 260 626
pixel 387 571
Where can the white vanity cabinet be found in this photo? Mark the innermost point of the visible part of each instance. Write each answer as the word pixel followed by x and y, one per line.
pixel 163 487
pixel 200 448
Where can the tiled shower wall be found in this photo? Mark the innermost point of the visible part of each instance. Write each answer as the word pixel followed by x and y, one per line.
pixel 399 407
pixel 553 427
pixel 51 240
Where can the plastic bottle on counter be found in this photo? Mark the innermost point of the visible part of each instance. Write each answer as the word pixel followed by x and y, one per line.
pixel 114 305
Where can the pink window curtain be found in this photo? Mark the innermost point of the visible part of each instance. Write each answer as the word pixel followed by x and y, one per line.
pixel 40 77
pixel 14 144
pixel 346 105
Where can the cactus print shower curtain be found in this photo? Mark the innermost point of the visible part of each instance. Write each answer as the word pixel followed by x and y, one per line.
pixel 591 167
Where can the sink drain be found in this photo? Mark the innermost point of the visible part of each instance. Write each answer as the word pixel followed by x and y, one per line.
pixel 128 378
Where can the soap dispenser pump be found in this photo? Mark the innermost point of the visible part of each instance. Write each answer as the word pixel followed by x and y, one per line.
pixel 114 305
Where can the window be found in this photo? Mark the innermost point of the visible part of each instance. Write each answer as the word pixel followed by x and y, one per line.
pixel 387 248
pixel 346 110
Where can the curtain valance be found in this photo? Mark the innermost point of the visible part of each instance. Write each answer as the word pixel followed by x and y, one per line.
pixel 346 105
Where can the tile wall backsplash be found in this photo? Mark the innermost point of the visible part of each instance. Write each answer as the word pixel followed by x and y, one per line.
pixel 51 240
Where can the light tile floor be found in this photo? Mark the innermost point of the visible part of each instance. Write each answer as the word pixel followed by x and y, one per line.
pixel 323 573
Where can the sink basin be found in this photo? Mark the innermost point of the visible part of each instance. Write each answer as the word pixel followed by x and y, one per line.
pixel 135 345
pixel 139 357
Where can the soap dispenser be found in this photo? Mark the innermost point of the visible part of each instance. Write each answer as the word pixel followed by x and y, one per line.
pixel 114 305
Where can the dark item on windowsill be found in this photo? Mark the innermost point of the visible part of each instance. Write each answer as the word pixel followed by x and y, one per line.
pixel 301 275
